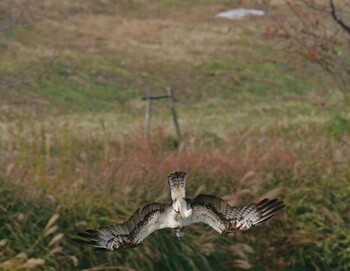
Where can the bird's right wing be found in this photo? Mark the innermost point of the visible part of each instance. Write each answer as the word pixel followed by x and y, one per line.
pixel 130 233
pixel 224 218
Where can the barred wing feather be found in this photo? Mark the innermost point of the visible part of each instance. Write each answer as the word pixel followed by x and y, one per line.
pixel 130 233
pixel 233 218
pixel 209 216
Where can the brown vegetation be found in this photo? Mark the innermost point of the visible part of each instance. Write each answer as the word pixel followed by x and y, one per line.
pixel 253 124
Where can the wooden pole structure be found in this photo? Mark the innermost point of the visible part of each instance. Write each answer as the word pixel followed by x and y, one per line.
pixel 173 111
pixel 148 115
pixel 170 96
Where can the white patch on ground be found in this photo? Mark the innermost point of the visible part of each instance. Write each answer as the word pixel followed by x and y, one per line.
pixel 240 13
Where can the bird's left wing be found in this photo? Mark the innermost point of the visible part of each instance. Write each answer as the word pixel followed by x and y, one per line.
pixel 224 218
pixel 250 215
pixel 210 216
pixel 130 233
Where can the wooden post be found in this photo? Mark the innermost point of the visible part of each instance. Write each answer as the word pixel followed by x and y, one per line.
pixel 173 111
pixel 148 115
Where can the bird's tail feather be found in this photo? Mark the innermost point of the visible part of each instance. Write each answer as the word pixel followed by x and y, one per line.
pixel 177 183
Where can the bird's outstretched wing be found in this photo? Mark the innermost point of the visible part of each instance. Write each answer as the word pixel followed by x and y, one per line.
pixel 130 233
pixel 224 218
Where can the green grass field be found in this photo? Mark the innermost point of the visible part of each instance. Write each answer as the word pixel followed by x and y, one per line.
pixel 256 122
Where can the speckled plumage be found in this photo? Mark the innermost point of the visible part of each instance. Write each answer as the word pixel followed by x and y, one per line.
pixel 181 213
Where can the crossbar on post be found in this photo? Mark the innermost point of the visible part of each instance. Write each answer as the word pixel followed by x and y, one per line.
pixel 155 97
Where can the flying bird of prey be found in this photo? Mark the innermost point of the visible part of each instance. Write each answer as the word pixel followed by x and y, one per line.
pixel 181 213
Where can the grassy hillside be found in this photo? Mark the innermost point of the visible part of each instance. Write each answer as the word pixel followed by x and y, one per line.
pixel 256 123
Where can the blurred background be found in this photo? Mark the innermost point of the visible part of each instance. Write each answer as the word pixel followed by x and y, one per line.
pixel 263 108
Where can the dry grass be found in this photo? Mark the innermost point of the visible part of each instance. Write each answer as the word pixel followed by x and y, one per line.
pixel 22 261
pixel 94 178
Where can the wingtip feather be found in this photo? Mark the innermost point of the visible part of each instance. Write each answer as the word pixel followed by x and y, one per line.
pixel 85 242
pixel 87 236
pixel 269 209
pixel 92 232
